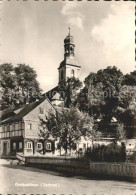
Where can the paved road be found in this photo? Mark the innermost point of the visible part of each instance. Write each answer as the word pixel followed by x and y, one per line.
pixel 17 179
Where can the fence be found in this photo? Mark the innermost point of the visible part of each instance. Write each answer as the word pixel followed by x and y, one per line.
pixel 123 171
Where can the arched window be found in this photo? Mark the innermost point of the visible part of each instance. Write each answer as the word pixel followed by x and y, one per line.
pixel 61 75
pixel 71 49
pixel 72 73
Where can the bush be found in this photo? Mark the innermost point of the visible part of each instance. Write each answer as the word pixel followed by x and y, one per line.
pixel 109 153
pixel 132 158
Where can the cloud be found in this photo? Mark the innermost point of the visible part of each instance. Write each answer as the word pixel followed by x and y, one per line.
pixel 116 34
pixel 68 7
pixel 77 21
pixel 72 15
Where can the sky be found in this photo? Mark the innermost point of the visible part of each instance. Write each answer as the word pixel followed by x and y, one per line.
pixel 33 32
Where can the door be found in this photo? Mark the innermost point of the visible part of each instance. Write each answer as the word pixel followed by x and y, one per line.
pixel 5 148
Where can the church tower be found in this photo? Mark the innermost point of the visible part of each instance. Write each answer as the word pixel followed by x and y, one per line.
pixel 69 66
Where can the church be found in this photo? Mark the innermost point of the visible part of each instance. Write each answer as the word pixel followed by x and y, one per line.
pixel 19 127
pixel 68 68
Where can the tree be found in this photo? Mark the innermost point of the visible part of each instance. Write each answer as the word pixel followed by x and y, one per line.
pixel 71 89
pixel 44 132
pixel 120 133
pixel 103 92
pixel 110 153
pixel 69 126
pixel 127 117
pixel 7 84
pixel 130 79
pixel 19 85
pixel 111 80
pixel 82 101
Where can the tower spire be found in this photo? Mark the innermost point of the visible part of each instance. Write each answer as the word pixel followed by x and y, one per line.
pixel 69 30
pixel 69 66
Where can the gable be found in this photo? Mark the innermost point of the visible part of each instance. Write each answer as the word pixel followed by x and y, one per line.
pixel 40 111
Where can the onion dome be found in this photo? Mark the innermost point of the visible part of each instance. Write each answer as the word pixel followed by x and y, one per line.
pixel 69 40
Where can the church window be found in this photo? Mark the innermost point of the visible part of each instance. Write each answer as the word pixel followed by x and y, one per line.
pixel 62 75
pixel 72 73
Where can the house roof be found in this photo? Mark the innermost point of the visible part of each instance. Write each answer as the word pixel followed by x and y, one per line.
pixel 18 114
pixel 12 115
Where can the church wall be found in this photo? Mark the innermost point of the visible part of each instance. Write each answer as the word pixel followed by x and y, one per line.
pixel 64 74
pixel 76 71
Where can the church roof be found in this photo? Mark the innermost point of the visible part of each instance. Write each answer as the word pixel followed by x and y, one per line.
pixel 69 60
pixel 49 94
pixel 69 40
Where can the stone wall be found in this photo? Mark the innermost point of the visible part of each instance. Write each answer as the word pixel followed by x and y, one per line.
pixel 123 171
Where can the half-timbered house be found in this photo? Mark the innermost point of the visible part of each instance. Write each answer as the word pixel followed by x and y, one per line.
pixel 19 129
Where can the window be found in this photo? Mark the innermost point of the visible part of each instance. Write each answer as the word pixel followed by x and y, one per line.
pixel 14 145
pixel 72 73
pixel 20 145
pixel 84 145
pixel 16 126
pixel 29 126
pixel 3 128
pixel 13 127
pixel 19 133
pixel 16 133
pixel 2 135
pixel 29 145
pixel 62 75
pixel 0 129
pixel 41 110
pixel 6 128
pixel 19 125
pixel 10 127
pixel 39 145
pixel 48 146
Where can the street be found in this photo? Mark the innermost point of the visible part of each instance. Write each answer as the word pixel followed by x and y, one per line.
pixel 18 179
